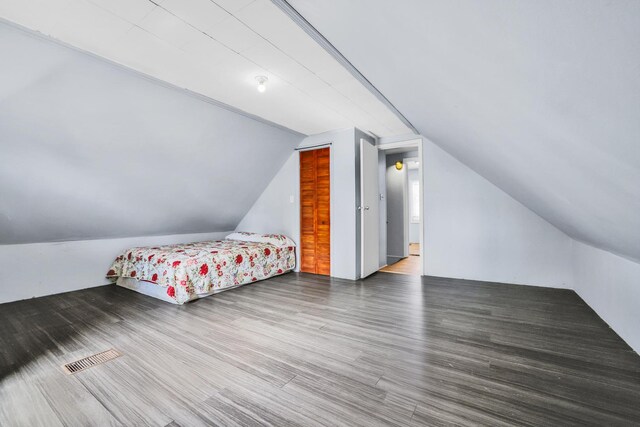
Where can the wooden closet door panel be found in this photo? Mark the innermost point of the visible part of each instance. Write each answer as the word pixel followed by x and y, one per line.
pixel 308 211
pixel 315 227
pixel 323 215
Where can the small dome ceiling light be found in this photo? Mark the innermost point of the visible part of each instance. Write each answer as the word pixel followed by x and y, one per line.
pixel 399 165
pixel 262 83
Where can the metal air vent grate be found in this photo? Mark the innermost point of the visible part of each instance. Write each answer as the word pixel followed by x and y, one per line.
pixel 90 361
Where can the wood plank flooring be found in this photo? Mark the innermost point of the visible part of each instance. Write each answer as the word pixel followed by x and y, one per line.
pixel 309 350
pixel 410 265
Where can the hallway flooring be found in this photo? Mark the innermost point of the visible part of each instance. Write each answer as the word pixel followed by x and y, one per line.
pixel 410 265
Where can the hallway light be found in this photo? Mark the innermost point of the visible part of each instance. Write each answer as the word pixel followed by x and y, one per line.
pixel 399 165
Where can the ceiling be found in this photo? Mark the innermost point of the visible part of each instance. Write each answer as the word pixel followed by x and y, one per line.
pixel 216 48
pixel 542 98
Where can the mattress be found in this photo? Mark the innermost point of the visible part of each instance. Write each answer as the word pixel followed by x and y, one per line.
pixel 155 291
pixel 181 273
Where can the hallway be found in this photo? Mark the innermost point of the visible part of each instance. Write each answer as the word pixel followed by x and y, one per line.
pixel 410 265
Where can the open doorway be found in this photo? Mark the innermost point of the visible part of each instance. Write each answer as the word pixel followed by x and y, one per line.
pixel 401 228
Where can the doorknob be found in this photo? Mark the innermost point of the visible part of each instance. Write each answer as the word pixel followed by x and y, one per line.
pixel 366 208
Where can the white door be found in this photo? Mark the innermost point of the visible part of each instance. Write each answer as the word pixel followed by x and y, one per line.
pixel 369 209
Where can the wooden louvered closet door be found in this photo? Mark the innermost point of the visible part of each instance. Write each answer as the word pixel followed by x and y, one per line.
pixel 315 224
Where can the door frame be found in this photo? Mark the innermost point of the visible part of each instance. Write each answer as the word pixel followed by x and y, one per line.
pixel 413 143
pixel 407 205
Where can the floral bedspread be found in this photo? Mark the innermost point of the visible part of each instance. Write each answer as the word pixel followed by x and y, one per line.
pixel 187 270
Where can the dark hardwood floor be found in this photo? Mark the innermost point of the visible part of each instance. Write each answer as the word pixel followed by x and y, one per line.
pixel 308 350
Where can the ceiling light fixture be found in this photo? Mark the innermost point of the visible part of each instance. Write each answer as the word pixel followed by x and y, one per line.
pixel 262 83
pixel 399 165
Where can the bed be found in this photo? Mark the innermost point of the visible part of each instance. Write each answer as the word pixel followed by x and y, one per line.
pixel 185 272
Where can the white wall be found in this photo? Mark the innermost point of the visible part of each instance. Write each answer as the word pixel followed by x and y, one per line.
pixel 395 183
pixel 272 211
pixel 277 210
pixel 474 230
pixel 343 207
pixel 611 286
pixel 414 227
pixel 38 269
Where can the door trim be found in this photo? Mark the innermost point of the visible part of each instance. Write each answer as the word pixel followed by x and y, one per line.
pixel 414 142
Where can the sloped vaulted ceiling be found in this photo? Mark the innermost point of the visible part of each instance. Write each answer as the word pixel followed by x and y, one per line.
pixel 540 97
pixel 217 48
pixel 90 150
